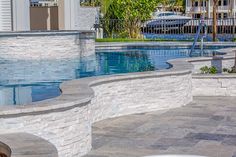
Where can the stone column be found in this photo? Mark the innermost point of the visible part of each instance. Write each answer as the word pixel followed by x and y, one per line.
pixel 86 41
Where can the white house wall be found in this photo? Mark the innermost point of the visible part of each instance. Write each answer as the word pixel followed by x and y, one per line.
pixel 21 15
pixel 86 17
pixel 5 15
pixel 71 14
pixel 78 18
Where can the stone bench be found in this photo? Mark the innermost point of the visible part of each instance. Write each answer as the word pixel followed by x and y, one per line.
pixel 25 145
pixel 5 150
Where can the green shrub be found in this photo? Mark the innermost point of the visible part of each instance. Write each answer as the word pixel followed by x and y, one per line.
pixel 204 70
pixel 231 70
pixel 213 70
pixel 208 70
pixel 226 70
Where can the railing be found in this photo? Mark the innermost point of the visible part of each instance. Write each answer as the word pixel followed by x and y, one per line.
pixel 201 9
pixel 180 28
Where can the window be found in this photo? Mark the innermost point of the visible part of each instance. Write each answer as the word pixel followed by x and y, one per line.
pixel 204 3
pixel 219 16
pixel 197 16
pixel 225 2
pixel 225 15
pixel 219 3
pixel 196 3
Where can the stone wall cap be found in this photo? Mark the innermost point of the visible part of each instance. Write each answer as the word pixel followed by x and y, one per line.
pixel 43 33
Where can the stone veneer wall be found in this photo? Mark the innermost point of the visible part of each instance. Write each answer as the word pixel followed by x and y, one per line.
pixel 69 128
pixel 140 95
pixel 213 85
pixel 46 45
pixel 224 85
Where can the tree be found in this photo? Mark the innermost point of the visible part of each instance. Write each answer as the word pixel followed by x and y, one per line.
pixel 214 29
pixel 132 12
pixel 234 67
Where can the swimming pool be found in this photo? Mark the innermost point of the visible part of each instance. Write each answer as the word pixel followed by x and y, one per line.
pixel 25 81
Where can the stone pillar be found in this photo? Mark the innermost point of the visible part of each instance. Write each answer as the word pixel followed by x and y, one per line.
pixel 86 41
pixel 21 15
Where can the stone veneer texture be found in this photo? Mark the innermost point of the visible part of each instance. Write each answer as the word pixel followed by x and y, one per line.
pixel 54 47
pixel 214 86
pixel 70 130
pixel 140 95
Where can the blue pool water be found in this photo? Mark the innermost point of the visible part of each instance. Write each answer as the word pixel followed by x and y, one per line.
pixel 26 81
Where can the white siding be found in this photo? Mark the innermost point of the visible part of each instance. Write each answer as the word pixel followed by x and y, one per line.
pixel 5 15
pixel 21 15
pixel 71 14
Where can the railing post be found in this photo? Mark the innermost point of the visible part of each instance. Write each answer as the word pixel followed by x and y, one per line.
pixel 233 28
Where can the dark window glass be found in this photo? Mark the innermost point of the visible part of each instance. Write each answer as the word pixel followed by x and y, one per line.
pixel 225 2
pixel 197 16
pixel 225 15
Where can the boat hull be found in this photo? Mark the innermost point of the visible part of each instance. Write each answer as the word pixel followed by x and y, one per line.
pixel 167 23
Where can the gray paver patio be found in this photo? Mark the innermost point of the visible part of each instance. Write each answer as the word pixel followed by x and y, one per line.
pixel 207 126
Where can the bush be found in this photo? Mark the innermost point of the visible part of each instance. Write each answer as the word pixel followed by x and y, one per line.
pixel 213 70
pixel 208 70
pixel 204 70
pixel 226 70
pixel 232 70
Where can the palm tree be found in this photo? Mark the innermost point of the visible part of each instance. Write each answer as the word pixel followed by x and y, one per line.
pixel 105 4
pixel 234 67
pixel 214 31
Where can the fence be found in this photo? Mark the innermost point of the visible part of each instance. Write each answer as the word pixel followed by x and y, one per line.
pixel 44 18
pixel 180 29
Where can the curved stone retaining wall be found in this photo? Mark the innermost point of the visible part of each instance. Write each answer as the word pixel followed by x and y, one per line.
pixel 66 121
pixel 69 129
pixel 139 95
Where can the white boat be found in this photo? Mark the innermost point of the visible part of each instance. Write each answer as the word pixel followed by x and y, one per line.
pixel 168 20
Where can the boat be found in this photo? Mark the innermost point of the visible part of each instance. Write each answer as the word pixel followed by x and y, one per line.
pixel 167 20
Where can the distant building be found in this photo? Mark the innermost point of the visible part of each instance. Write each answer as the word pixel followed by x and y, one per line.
pixel 44 2
pixel 25 15
pixel 226 8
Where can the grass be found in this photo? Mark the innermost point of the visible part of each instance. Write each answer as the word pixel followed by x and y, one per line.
pixel 136 40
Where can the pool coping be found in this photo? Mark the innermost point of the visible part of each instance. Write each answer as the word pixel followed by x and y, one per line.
pixel 79 92
pixel 44 33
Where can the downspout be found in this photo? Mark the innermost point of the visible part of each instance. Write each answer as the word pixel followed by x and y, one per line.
pixel 12 22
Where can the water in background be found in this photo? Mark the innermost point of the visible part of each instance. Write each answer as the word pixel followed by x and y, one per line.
pixel 26 81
